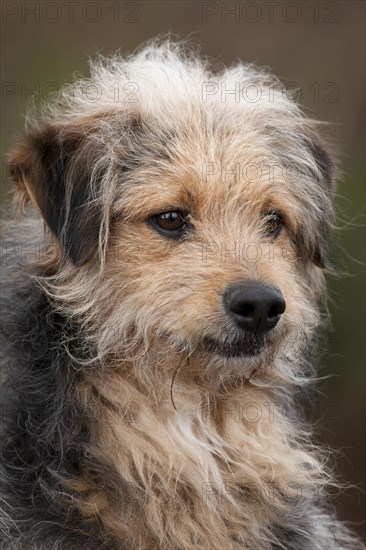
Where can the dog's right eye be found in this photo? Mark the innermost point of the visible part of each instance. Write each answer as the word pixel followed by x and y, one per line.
pixel 171 223
pixel 274 224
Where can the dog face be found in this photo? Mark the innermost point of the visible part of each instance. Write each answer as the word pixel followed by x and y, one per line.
pixel 205 220
pixel 211 260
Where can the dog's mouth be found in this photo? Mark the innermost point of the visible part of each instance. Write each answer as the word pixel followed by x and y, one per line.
pixel 248 346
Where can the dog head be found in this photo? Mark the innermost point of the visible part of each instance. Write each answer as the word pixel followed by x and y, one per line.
pixel 190 219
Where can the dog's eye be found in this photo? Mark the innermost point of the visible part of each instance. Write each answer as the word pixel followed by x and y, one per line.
pixel 273 223
pixel 170 223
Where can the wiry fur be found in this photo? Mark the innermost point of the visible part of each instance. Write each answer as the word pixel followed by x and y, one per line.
pixel 122 430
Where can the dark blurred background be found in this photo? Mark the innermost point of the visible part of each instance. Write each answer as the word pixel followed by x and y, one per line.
pixel 315 46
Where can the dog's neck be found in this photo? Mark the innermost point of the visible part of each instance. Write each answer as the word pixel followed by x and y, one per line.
pixel 213 451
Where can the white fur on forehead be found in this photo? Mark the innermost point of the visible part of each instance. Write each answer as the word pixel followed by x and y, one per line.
pixel 169 80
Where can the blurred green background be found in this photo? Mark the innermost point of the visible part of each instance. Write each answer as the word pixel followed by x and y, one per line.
pixel 318 47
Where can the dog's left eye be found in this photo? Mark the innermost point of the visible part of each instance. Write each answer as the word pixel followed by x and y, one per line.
pixel 170 223
pixel 273 223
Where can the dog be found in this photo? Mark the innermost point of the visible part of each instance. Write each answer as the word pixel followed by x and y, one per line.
pixel 163 289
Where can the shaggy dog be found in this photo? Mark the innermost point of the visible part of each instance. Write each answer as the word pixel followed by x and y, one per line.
pixel 159 311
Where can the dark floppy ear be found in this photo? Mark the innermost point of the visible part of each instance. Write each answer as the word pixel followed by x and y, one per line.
pixel 53 166
pixel 325 176
pixel 326 172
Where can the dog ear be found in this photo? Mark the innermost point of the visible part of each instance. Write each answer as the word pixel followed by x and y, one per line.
pixel 53 166
pixel 313 239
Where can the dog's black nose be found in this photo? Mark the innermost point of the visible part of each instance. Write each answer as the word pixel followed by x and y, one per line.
pixel 255 307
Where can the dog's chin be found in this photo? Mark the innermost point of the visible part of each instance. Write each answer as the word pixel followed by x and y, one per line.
pixel 251 345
